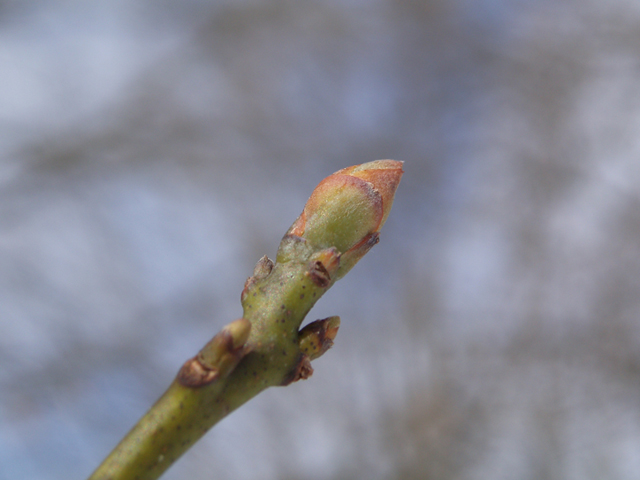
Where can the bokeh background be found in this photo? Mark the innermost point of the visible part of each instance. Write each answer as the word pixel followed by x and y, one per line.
pixel 151 152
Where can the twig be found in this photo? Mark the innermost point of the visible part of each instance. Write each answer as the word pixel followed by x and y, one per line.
pixel 339 224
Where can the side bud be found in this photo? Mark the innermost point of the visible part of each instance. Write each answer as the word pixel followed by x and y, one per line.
pixel 314 340
pixel 217 358
pixel 317 337
pixel 260 271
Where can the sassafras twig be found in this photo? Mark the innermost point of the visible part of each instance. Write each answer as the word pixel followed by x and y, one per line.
pixel 339 224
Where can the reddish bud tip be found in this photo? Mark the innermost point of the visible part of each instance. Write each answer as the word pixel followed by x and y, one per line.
pixel 384 176
pixel 349 205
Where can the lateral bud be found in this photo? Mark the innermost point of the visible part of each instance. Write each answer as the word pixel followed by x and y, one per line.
pixel 317 337
pixel 261 270
pixel 314 340
pixel 219 357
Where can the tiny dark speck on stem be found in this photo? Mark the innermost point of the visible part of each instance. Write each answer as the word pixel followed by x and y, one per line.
pixel 301 296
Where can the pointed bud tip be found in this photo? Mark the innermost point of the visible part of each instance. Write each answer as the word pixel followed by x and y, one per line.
pixel 384 176
pixel 332 326
pixel 350 204
pixel 239 331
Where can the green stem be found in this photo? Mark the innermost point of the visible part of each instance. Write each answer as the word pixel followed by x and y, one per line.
pixel 266 348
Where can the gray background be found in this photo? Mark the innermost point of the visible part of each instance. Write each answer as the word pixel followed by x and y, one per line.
pixel 151 152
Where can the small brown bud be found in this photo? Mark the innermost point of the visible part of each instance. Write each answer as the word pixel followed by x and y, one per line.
pixel 317 337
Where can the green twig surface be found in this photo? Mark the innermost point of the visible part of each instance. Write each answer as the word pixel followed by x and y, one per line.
pixel 339 224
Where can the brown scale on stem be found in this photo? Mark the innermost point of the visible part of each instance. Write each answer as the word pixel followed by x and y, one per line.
pixel 324 266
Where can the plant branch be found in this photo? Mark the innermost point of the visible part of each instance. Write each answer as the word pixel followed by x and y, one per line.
pixel 339 224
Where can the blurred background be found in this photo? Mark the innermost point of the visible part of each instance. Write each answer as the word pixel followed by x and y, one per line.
pixel 152 152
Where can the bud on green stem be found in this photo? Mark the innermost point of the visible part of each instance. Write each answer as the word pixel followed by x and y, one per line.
pixel 339 224
pixel 218 357
pixel 347 210
pixel 317 337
